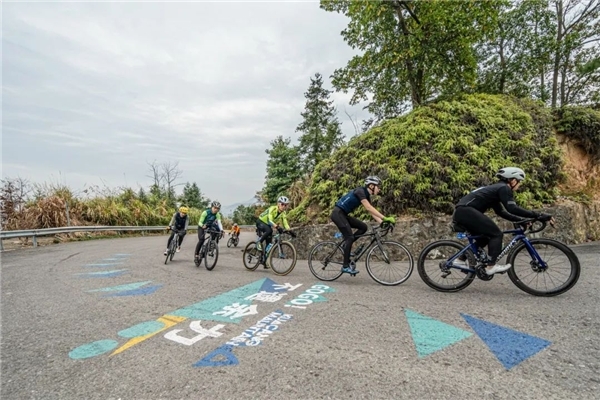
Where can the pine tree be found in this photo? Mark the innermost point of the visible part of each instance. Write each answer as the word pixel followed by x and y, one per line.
pixel 283 168
pixel 321 132
pixel 193 197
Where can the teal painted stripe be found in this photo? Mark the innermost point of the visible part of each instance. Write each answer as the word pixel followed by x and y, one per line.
pixel 102 272
pixel 128 286
pixel 104 264
pixel 204 310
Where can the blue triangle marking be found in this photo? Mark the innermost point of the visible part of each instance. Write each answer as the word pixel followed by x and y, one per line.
pixel 509 346
pixel 268 286
pixel 223 351
pixel 431 335
pixel 136 292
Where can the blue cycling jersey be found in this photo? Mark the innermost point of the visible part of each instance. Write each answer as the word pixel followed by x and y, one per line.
pixel 350 201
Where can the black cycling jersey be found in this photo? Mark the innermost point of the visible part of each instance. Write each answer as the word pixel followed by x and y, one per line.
pixel 498 197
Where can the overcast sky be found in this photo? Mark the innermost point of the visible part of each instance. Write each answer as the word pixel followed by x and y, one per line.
pixel 92 92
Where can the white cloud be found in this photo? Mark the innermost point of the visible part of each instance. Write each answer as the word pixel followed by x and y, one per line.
pixel 95 91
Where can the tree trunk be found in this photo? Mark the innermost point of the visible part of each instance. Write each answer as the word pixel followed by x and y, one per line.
pixel 558 51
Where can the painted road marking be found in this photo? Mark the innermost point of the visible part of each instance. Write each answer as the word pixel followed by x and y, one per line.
pixel 135 292
pixel 431 335
pixel 202 310
pixel 509 346
pixel 128 286
pixel 103 274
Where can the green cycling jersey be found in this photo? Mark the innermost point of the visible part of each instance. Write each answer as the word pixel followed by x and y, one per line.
pixel 272 216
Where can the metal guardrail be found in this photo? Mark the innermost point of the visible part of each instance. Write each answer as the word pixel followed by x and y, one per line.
pixel 34 233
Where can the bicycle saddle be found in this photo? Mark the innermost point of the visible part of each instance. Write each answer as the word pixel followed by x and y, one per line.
pixel 456 227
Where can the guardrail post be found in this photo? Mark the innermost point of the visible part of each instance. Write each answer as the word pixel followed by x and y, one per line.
pixel 1 245
pixel 34 241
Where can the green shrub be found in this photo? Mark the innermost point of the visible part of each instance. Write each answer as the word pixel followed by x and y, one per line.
pixel 431 157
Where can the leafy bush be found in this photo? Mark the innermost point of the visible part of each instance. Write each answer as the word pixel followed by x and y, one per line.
pixel 431 157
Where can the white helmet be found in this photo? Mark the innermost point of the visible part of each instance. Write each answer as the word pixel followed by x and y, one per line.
pixel 511 172
pixel 372 180
pixel 283 200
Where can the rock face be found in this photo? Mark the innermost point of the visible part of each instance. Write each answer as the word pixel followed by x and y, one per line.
pixel 575 223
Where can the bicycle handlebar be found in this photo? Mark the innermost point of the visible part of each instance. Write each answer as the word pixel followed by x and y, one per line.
pixel 528 228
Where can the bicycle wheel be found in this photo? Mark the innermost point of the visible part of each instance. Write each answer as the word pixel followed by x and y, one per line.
pixel 211 256
pixel 236 241
pixel 173 248
pixel 170 252
pixel 391 264
pixel 434 271
pixel 251 256
pixel 230 242
pixel 562 272
pixel 282 258
pixel 325 261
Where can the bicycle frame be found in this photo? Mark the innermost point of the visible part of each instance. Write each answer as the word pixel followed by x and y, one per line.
pixel 375 238
pixel 519 236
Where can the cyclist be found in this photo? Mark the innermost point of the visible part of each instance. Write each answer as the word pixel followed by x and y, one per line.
pixel 210 218
pixel 469 213
pixel 270 219
pixel 341 218
pixel 179 223
pixel 235 230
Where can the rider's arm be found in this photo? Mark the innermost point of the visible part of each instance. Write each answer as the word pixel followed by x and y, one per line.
pixel 219 221
pixel 362 196
pixel 508 201
pixel 271 215
pixel 172 220
pixel 285 221
pixel 187 222
pixel 202 219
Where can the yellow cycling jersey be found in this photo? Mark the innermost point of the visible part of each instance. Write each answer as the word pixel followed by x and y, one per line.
pixel 272 216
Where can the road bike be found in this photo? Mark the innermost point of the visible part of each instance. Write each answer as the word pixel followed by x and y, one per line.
pixel 280 255
pixel 539 266
pixel 209 252
pixel 233 240
pixel 173 245
pixel 388 262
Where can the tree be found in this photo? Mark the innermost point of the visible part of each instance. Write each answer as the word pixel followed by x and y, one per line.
pixel 245 215
pixel 13 196
pixel 193 197
pixel 283 168
pixel 412 51
pixel 518 53
pixel 321 132
pixel 170 173
pixel 545 49
pixel 142 196
pixel 575 74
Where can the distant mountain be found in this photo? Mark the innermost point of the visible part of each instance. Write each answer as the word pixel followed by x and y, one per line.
pixel 227 211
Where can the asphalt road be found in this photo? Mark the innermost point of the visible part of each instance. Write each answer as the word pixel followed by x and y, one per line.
pixel 107 319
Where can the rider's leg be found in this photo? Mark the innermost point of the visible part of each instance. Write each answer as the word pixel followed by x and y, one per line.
pixel 479 224
pixel 267 231
pixel 169 242
pixel 340 219
pixel 180 239
pixel 200 241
